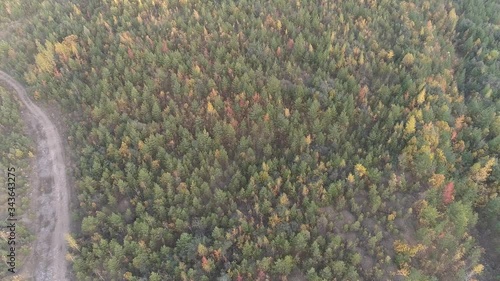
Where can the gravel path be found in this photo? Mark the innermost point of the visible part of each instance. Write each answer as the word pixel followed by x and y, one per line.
pixel 51 194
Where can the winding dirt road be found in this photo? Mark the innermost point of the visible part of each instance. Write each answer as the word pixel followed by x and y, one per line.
pixel 52 192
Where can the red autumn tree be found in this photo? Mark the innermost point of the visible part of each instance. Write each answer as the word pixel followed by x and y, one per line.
pixel 448 193
pixel 130 53
pixel 453 135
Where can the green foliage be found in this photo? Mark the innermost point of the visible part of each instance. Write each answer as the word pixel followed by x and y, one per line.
pixel 16 149
pixel 287 139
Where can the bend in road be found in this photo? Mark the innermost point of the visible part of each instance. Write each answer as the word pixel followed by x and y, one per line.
pixel 52 266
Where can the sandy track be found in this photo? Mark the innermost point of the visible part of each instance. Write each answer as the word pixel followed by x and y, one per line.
pixel 52 211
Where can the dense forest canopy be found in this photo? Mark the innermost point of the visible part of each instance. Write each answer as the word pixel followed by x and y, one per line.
pixel 255 140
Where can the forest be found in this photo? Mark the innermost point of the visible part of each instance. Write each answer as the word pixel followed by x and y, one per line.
pixel 272 140
pixel 16 151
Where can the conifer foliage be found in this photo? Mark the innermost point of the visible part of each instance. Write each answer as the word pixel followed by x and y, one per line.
pixel 271 140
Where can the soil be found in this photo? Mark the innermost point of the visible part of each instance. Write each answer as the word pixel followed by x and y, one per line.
pixel 50 194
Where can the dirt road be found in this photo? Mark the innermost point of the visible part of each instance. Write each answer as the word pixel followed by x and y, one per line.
pixel 51 192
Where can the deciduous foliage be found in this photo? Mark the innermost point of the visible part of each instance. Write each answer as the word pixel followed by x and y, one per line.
pixel 264 140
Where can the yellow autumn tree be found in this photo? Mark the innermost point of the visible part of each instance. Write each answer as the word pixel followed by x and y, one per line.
pixel 278 25
pixel 124 151
pixel 403 248
pixel 284 200
pixel 480 174
pixel 360 170
pixel 308 139
pixel 67 47
pixel 274 220
pixel 452 15
pixel 436 180
pixel 72 242
pixel 478 269
pixel 408 60
pixel 202 250
pixel 210 108
pixel 45 58
pixel 350 178
pixel 287 112
pixel 410 125
pixel 390 55
pixel 421 96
